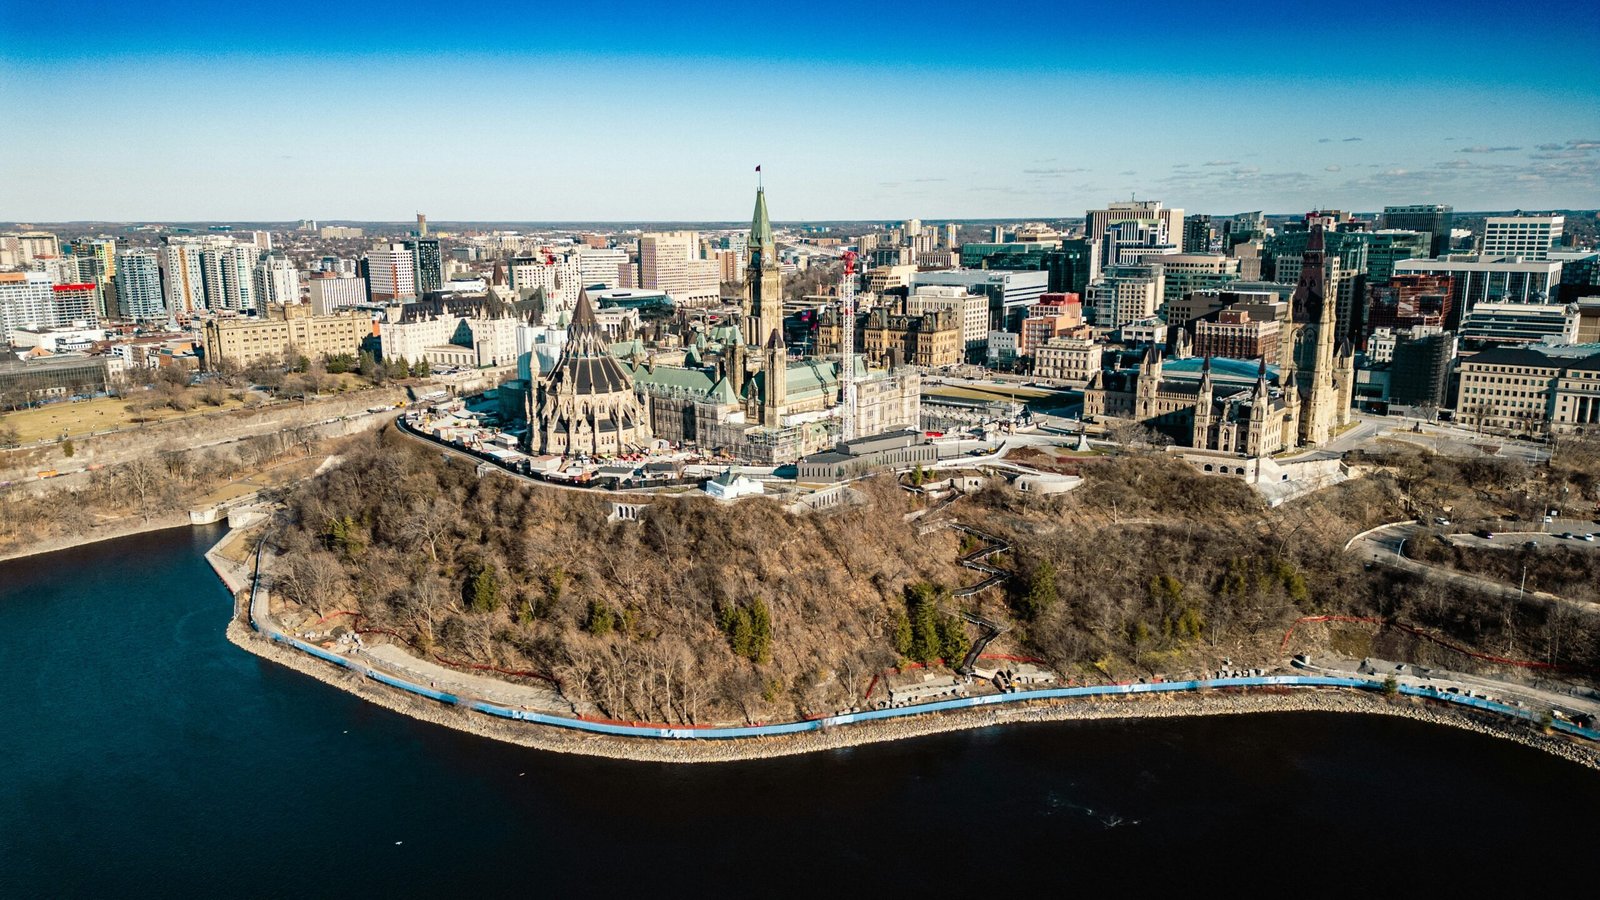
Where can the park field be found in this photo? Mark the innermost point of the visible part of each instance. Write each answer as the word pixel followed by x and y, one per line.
pixel 76 418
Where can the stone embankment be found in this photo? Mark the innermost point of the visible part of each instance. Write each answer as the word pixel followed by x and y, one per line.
pixel 124 527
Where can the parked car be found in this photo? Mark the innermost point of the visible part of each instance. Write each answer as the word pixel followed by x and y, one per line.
pixel 1486 534
pixel 1441 520
pixel 1586 537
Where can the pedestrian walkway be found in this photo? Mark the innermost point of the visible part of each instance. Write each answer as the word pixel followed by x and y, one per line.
pixel 394 660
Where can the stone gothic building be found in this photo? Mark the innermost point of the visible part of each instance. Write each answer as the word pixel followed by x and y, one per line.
pixel 1215 406
pixel 587 404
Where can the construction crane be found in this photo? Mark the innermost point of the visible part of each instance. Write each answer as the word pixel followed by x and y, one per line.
pixel 847 345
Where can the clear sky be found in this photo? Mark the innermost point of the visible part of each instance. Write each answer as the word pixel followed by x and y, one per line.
pixel 162 110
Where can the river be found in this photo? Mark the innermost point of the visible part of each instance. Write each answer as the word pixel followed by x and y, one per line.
pixel 143 755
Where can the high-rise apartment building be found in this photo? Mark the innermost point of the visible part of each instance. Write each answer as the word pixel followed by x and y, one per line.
pixel 184 284
pixel 391 273
pixel 426 262
pixel 1197 234
pixel 139 285
pixel 33 246
pixel 33 300
pixel 277 282
pixel 228 275
pixel 668 262
pixel 1434 218
pixel 1528 237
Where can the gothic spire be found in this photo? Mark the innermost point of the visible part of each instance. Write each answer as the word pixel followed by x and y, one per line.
pixel 761 232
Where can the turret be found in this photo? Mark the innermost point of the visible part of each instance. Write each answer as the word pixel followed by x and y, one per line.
pixel 775 380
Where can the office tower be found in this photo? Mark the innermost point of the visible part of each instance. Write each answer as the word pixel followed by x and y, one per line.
pixel 1197 234
pixel 668 261
pixel 1528 237
pixel 1167 222
pixel 1124 294
pixel 139 285
pixel 1419 373
pixel 390 273
pixel 558 275
pixel 1386 247
pixel 1484 279
pixel 601 266
pixel 426 263
pixel 331 293
pixel 1130 242
pixel 1434 218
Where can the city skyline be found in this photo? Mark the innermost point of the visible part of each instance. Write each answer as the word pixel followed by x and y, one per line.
pixel 632 114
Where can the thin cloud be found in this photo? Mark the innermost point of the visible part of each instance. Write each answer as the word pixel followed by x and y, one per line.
pixel 1324 140
pixel 1222 162
pixel 1481 149
pixel 1333 168
pixel 1052 171
pixel 1550 147
pixel 1348 140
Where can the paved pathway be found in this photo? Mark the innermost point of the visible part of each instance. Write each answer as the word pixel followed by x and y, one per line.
pixel 394 659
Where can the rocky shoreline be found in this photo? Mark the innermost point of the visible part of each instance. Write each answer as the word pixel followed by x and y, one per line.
pixel 559 740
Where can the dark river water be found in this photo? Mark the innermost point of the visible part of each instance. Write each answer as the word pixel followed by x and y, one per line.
pixel 142 755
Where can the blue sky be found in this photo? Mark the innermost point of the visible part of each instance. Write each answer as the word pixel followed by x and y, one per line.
pixel 163 110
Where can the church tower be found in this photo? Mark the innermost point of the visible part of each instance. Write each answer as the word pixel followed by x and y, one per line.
pixel 1200 435
pixel 1315 322
pixel 762 309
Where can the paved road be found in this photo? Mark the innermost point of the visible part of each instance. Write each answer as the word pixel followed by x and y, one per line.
pixel 1504 540
pixel 1385 546
pixel 1568 699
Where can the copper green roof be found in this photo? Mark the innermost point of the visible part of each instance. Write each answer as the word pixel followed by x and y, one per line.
pixel 761 231
pixel 675 380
